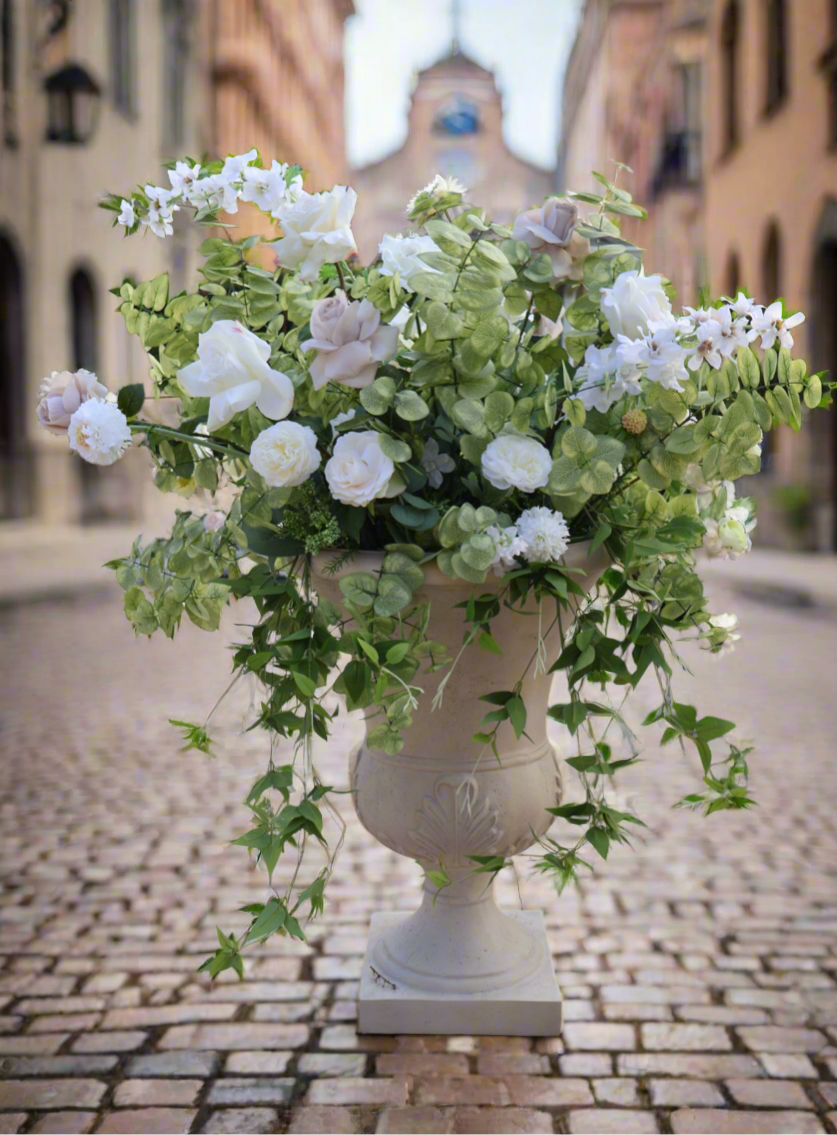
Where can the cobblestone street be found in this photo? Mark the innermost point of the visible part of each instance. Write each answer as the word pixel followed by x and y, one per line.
pixel 699 970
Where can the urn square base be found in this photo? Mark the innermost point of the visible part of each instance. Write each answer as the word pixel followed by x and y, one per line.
pixel 528 1008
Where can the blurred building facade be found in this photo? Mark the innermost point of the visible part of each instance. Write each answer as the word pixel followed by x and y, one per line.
pixel 96 94
pixel 455 127
pixel 726 111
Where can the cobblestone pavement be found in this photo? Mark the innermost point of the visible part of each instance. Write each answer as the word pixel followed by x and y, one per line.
pixel 699 971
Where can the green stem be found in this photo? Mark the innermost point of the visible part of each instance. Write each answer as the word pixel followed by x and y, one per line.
pixel 193 439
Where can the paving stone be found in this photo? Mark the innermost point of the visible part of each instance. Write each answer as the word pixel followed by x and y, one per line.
pixel 331 1064
pixel 157 1093
pixel 65 1123
pixel 685 1093
pixel 259 1063
pixel 31 1045
pixel 316 1120
pixel 501 1121
pixel 619 1121
pixel 255 1090
pixel 461 1090
pixel 148 1120
pixel 46 1094
pixel 12 1122
pixel 56 1065
pixel 243 1120
pixel 357 1090
pixel 548 1091
pixel 417 1064
pixel 110 1042
pixel 687 1064
pixel 768 1093
pixel 599 1037
pixel 509 1064
pixel 787 1065
pixel 769 1038
pixel 226 1038
pixel 697 1121
pixel 586 1064
pixel 418 1121
pixel 621 1092
pixel 199 1065
pixel 689 1038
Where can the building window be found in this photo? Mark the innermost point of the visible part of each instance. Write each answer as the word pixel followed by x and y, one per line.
pixel 733 275
pixel 771 263
pixel 122 48
pixel 175 26
pixel 730 27
pixel 777 53
pixel 7 71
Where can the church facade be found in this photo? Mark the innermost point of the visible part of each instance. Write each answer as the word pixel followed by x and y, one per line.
pixel 455 125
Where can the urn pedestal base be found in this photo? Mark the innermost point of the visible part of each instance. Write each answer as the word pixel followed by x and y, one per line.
pixel 529 1007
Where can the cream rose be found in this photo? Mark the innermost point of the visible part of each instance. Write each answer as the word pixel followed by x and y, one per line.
pixel 233 372
pixel 402 254
pixel 359 471
pixel 350 341
pixel 99 432
pixel 285 454
pixel 62 394
pixel 513 462
pixel 634 303
pixel 551 229
pixel 317 230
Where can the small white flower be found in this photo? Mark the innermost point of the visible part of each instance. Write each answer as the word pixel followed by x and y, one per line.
pixel 733 332
pixel 402 254
pixel 214 520
pixel 514 462
pixel 268 188
pixel 608 374
pixel 708 334
pixel 729 537
pixel 127 216
pixel 317 230
pixel 234 164
pixel 545 534
pixel 771 326
pixel 719 636
pixel 662 356
pixel 285 454
pixel 341 419
pixel 436 463
pixel 743 305
pixel 98 432
pixel 183 177
pixel 359 471
pixel 233 372
pixel 438 187
pixel 508 545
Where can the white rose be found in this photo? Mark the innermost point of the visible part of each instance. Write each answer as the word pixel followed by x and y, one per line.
pixel 727 538
pixel 285 454
pixel 513 462
pixel 633 303
pixel 359 471
pixel 316 230
pixel 62 394
pixel 98 432
pixel 232 371
pixel 402 254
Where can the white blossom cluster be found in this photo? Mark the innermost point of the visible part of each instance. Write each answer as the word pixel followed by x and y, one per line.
pixel 651 342
pixel 540 536
pixel 727 534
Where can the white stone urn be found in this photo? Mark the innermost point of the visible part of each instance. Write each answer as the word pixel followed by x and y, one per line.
pixel 460 965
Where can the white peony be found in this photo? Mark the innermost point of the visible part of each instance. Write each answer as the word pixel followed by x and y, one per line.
pixel 508 545
pixel 62 394
pixel 545 534
pixel 514 462
pixel 634 303
pixel 233 372
pixel 359 471
pixel 402 254
pixel 317 230
pixel 285 454
pixel 98 432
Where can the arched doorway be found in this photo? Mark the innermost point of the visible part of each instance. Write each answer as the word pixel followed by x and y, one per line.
pixel 15 481
pixel 823 306
pixel 84 352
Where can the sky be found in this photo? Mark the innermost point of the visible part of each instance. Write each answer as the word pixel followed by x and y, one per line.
pixel 525 42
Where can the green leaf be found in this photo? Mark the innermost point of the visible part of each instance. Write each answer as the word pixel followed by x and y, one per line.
pixel 602 533
pixel 377 398
pixel 130 398
pixel 748 367
pixel 441 322
pixel 393 595
pixel 410 406
pixel 516 710
pixel 360 588
pixel 305 685
pixel 600 840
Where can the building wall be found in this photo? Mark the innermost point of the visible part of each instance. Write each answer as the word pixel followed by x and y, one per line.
pixel 48 210
pixel 782 172
pixel 496 178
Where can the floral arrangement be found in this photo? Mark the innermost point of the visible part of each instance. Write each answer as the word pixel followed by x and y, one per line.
pixel 479 398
